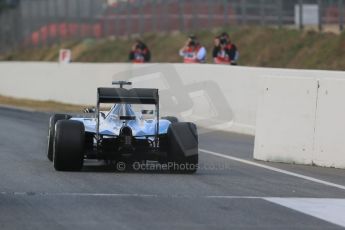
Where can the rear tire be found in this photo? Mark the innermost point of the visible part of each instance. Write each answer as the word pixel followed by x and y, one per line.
pixel 183 147
pixel 69 145
pixel 51 132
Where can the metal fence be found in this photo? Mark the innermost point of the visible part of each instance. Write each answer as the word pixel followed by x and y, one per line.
pixel 37 23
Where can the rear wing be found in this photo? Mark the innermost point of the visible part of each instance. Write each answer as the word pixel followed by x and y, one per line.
pixel 127 96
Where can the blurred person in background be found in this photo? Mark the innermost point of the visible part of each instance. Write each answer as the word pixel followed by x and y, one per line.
pixel 224 51
pixel 140 53
pixel 193 51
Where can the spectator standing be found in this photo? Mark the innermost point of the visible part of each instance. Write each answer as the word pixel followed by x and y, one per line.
pixel 224 51
pixel 140 53
pixel 193 51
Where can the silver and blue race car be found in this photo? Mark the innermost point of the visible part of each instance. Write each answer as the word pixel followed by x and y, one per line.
pixel 123 134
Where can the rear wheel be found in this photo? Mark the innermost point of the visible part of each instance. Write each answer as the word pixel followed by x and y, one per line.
pixel 183 147
pixel 51 132
pixel 69 145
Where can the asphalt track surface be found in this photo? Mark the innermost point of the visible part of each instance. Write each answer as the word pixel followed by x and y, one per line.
pixel 226 193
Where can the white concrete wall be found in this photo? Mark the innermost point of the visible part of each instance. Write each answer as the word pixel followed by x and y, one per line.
pixel 285 120
pixel 213 96
pixel 301 120
pixel 329 150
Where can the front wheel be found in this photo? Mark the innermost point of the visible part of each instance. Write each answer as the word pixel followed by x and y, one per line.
pixel 51 132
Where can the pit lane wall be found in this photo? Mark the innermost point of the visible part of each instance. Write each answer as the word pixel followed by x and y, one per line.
pixel 211 96
pixel 301 120
pixel 296 115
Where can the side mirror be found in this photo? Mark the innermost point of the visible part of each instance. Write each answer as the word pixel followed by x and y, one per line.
pixel 90 110
pixel 147 112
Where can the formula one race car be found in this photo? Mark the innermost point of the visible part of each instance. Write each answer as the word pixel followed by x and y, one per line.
pixel 122 134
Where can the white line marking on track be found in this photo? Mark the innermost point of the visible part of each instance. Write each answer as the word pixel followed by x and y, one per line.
pixel 330 210
pixel 124 195
pixel 323 182
pixel 79 194
pixel 327 209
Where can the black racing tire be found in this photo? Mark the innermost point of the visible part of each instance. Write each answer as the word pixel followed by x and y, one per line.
pixel 51 132
pixel 182 149
pixel 171 119
pixel 69 145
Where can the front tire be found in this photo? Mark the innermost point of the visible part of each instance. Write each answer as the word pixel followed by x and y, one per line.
pixel 51 132
pixel 69 145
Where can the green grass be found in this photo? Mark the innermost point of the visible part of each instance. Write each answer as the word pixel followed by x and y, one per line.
pixel 266 47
